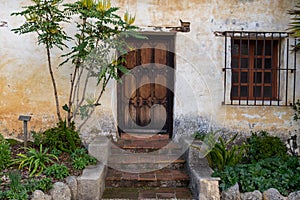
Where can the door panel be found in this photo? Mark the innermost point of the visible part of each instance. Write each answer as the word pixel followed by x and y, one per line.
pixel 145 95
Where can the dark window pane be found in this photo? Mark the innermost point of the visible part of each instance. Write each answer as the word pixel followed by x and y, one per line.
pixel 235 48
pixel 257 91
pixel 245 48
pixel 257 77
pixel 267 92
pixel 258 48
pixel 244 77
pixel 234 63
pixel 244 63
pixel 244 91
pixel 268 63
pixel 258 63
pixel 234 91
pixel 268 48
pixel 267 77
pixel 235 77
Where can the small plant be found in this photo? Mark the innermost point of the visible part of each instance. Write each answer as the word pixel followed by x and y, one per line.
pixel 56 152
pixel 38 138
pixel 261 146
pixel 5 153
pixel 80 159
pixel 17 191
pixel 22 195
pixel 35 160
pixel 15 180
pixel 44 184
pixel 199 135
pixel 57 171
pixel 209 140
pixel 224 153
pixel 62 137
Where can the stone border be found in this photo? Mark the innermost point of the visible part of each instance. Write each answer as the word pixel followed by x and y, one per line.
pixel 203 186
pixel 90 185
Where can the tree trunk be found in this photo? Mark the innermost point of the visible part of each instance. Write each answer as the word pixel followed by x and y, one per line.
pixel 53 83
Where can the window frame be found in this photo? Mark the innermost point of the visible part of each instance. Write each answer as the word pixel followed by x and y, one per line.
pixel 286 92
pixel 251 70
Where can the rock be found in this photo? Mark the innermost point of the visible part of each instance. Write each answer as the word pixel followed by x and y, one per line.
pixel 273 194
pixel 39 195
pixel 72 183
pixel 60 191
pixel 232 193
pixel 255 195
pixel 294 196
pixel 209 189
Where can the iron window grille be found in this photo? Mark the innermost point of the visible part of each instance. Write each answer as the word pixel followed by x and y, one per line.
pixel 259 68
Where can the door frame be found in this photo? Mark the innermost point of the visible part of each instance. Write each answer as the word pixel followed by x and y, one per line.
pixel 170 37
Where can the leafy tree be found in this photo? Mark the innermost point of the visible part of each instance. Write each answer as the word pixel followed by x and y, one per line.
pixel 44 18
pixel 295 25
pixel 100 32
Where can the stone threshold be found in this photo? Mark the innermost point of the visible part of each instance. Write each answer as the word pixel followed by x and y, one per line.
pixel 147 193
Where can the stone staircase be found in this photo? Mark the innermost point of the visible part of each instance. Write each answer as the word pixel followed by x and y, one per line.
pixel 146 167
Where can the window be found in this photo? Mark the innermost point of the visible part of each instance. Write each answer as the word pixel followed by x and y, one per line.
pixel 254 69
pixel 260 68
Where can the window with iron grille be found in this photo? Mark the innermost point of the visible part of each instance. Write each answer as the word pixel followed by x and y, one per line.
pixel 253 68
pixel 259 69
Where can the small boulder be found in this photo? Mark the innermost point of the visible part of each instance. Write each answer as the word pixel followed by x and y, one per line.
pixel 39 195
pixel 294 196
pixel 72 183
pixel 273 194
pixel 60 191
pixel 232 193
pixel 255 195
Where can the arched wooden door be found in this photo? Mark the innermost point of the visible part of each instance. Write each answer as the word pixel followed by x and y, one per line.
pixel 145 94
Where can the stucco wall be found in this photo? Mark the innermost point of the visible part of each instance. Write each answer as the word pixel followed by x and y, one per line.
pixel 26 89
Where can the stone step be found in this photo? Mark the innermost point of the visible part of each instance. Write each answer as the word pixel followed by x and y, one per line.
pixel 147 193
pixel 146 146
pixel 161 178
pixel 145 162
pixel 135 136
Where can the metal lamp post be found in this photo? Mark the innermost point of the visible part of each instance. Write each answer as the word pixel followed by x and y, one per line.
pixel 25 119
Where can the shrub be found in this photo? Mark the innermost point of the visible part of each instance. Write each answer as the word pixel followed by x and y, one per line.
pixel 5 153
pixel 224 153
pixel 16 191
pixel 276 172
pixel 44 184
pixel 35 160
pixel 57 171
pixel 38 138
pixel 261 146
pixel 221 153
pixel 62 137
pixel 80 159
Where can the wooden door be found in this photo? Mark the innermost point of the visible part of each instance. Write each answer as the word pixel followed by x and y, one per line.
pixel 145 94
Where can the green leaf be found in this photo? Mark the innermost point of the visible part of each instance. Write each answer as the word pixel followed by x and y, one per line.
pixel 66 108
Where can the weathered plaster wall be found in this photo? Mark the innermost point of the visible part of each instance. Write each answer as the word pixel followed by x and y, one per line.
pixel 25 86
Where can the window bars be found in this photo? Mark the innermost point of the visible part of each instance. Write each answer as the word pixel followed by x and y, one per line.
pixel 259 68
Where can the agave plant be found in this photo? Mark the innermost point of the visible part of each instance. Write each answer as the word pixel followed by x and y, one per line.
pixel 35 160
pixel 224 153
